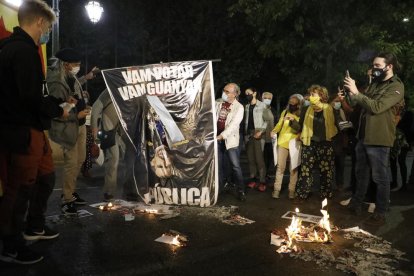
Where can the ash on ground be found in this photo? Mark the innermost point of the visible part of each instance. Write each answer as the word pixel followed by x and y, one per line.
pixel 355 252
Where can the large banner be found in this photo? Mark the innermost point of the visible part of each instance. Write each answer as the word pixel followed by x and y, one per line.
pixel 166 111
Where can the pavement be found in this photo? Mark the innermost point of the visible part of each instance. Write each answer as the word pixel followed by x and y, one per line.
pixel 106 244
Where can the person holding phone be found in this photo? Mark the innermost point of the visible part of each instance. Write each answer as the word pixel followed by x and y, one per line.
pixel 376 132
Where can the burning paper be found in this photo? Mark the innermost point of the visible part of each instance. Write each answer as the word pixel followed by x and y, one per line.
pixel 319 232
pixel 276 239
pixel 106 207
pixel 174 238
pixel 158 209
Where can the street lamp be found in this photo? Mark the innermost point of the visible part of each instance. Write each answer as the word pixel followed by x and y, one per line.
pixel 94 10
pixel 15 3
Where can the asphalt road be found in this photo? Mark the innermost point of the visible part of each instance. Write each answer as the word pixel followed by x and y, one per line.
pixel 106 244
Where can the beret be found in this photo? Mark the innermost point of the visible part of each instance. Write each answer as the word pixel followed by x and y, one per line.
pixel 68 55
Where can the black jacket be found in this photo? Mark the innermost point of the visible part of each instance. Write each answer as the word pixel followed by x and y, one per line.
pixel 22 101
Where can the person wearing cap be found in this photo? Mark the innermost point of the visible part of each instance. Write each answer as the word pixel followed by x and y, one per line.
pixel 26 111
pixel 69 133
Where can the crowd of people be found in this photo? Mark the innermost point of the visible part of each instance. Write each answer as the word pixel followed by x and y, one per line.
pixel 310 136
pixel 314 133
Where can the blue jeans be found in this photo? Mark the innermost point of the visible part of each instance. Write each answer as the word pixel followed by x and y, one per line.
pixel 372 161
pixel 234 160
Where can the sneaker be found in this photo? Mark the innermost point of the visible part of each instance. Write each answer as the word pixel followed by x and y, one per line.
pixel 23 255
pixel 291 194
pixel 45 234
pixel 228 186
pixel 252 185
pixel 69 208
pixel 108 197
pixel 345 202
pixel 242 196
pixel 78 200
pixel 262 187
pixel 371 208
pixel 275 194
pixel 376 219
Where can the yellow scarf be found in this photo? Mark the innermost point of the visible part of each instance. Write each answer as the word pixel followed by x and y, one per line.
pixel 330 128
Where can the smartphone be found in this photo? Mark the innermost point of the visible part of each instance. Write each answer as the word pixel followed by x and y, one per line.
pixel 345 93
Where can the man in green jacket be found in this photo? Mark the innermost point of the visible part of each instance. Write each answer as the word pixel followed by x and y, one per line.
pixel 376 133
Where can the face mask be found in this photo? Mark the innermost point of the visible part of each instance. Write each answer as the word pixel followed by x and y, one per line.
pixel 306 103
pixel 378 74
pixel 44 38
pixel 293 107
pixel 249 98
pixel 314 99
pixel 225 97
pixel 267 101
pixel 337 105
pixel 75 70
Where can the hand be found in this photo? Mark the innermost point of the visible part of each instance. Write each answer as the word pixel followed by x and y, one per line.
pixel 72 100
pixel 219 138
pixel 341 94
pixel 65 113
pixel 82 114
pixel 95 133
pixel 91 74
pixel 258 135
pixel 272 134
pixel 349 84
pixel 288 117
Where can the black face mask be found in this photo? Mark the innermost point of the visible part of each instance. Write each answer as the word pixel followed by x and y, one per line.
pixel 249 98
pixel 378 74
pixel 293 108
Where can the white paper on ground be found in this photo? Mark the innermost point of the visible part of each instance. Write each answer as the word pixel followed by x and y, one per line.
pixel 165 239
pixel 276 239
pixel 294 153
pixel 356 229
pixel 129 217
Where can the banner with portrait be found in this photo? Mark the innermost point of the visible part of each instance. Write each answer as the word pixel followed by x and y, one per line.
pixel 166 112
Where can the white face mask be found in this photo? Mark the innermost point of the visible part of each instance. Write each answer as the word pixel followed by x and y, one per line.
pixel 267 101
pixel 337 105
pixel 225 97
pixel 75 70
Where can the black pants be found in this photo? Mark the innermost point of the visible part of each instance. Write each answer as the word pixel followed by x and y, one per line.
pixel 28 186
pixel 268 159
